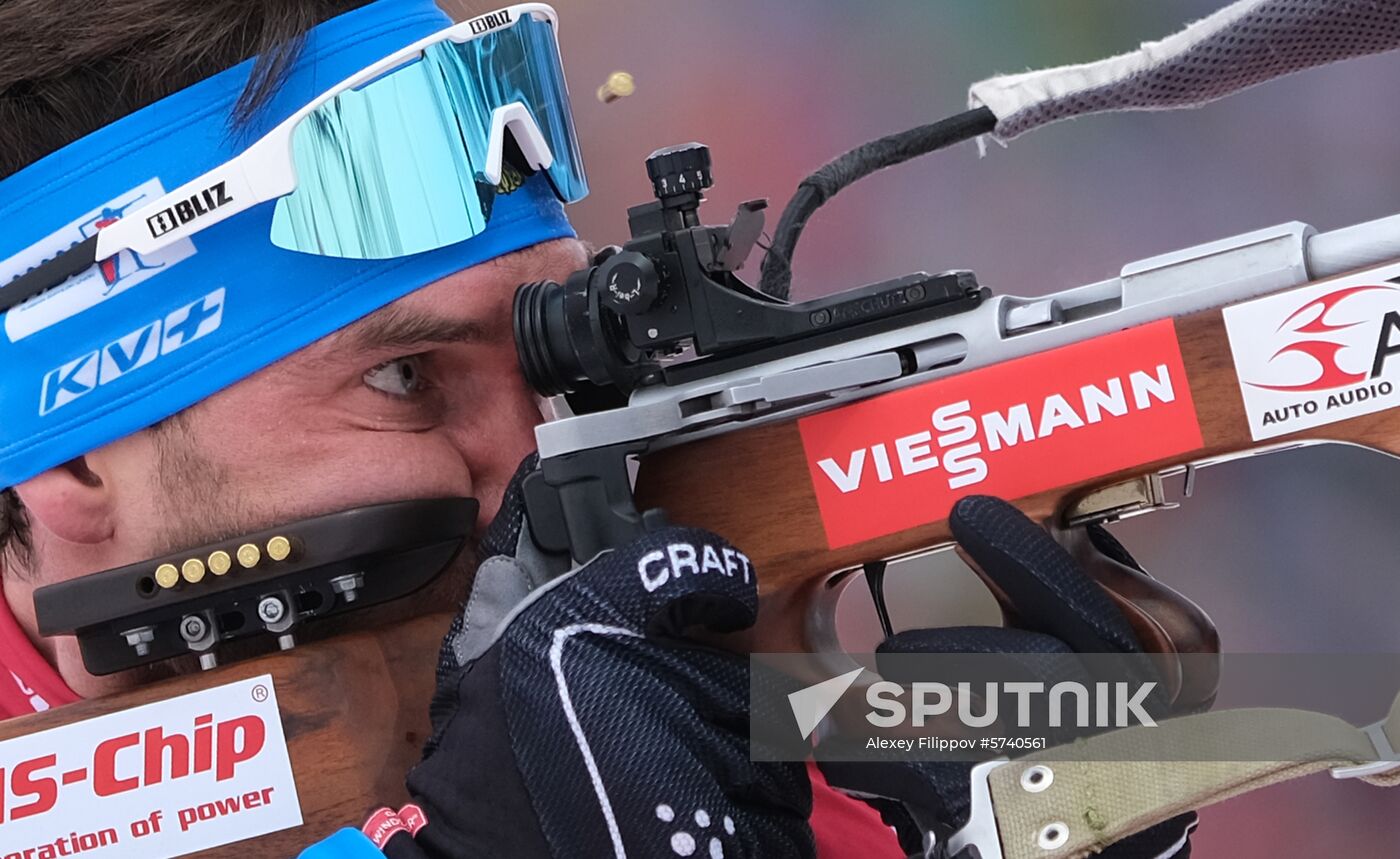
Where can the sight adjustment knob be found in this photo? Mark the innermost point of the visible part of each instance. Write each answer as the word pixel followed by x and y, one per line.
pixel 678 170
pixel 627 283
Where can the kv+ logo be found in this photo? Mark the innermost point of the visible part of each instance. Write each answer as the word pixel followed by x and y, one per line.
pixel 161 336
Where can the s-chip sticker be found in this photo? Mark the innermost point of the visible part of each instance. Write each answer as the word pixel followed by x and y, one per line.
pixel 162 780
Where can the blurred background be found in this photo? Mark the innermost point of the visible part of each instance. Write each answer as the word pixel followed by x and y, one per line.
pixel 1289 553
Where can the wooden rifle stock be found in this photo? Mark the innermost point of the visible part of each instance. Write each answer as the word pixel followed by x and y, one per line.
pixel 754 487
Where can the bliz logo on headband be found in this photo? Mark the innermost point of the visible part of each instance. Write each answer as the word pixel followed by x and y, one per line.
pixel 105 280
pixel 196 206
pixel 490 22
pixel 159 337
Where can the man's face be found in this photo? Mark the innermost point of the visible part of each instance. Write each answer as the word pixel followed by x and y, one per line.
pixel 421 399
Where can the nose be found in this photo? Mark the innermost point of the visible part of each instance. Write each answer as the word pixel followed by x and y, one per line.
pixel 497 426
pixel 505 436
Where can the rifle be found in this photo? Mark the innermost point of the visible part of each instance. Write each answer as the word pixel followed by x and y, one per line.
pixel 840 442
pixel 354 707
pixel 845 444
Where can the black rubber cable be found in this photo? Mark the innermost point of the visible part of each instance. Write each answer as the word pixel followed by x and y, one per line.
pixel 846 169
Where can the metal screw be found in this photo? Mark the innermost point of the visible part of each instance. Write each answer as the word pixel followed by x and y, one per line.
pixel 348 585
pixel 915 293
pixel 193 628
pixel 821 317
pixel 272 609
pixel 140 638
pixel 208 661
pixel 286 641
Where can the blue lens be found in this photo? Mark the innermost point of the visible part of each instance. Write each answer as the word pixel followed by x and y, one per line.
pixel 507 71
pixel 397 166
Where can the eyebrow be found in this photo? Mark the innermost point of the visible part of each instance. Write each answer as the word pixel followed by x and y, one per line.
pixel 396 328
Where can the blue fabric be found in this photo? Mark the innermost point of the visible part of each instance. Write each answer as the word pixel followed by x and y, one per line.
pixel 130 343
pixel 345 844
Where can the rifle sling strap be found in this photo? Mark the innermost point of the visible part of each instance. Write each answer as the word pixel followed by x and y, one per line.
pixel 1099 790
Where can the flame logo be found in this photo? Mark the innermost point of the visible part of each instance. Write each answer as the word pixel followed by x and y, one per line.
pixel 1324 352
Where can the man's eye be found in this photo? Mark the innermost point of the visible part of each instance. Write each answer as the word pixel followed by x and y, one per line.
pixel 401 377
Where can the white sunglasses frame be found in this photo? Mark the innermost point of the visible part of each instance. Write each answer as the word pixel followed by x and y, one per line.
pixel 266 170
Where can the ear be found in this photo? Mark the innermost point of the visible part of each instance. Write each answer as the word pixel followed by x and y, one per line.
pixel 71 502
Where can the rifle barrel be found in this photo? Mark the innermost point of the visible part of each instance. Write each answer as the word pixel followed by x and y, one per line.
pixel 1351 248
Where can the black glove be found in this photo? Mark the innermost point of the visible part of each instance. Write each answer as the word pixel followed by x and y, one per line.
pixel 572 718
pixel 1060 611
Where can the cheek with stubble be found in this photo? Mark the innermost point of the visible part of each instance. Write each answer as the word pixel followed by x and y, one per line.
pixel 502 436
pixel 210 492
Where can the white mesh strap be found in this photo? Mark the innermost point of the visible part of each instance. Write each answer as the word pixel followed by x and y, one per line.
pixel 1246 43
pixel 1075 800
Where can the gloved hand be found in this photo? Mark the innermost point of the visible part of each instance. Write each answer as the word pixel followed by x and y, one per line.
pixel 573 718
pixel 1059 610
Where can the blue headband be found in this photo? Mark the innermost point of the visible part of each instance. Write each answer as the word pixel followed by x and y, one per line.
pixel 136 339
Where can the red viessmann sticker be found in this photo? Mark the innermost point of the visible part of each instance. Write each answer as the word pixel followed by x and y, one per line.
pixel 1013 429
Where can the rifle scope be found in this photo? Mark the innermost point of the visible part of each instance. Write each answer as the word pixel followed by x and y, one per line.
pixel 667 307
